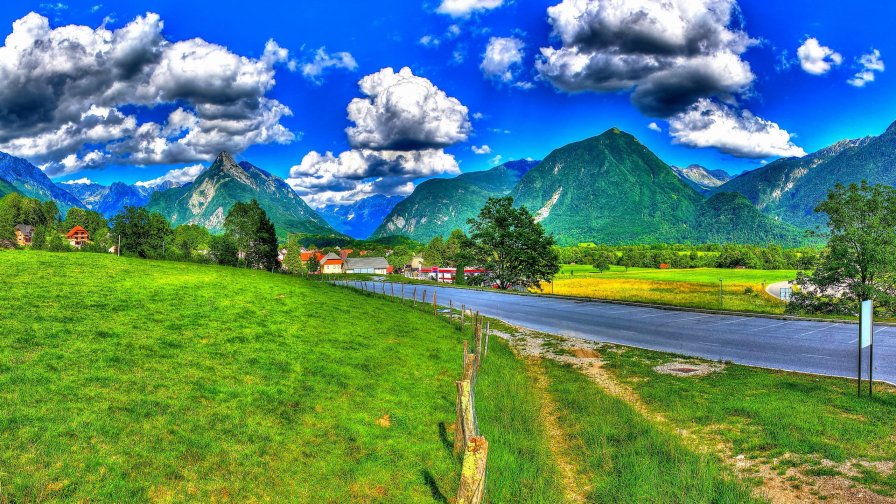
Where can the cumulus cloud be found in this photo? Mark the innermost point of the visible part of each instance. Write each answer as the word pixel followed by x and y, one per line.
pixel 654 127
pixel 485 149
pixel 80 181
pixel 64 93
pixel 817 59
pixel 669 54
pixel 871 63
pixel 503 58
pixel 496 160
pixel 463 8
pixel 179 176
pixel 738 133
pixel 313 70
pixel 401 111
pixel 401 127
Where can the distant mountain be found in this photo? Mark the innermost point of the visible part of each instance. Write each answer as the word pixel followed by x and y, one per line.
pixel 110 200
pixel 361 218
pixel 30 181
pixel 6 188
pixel 208 199
pixel 701 178
pixel 438 206
pixel 612 189
pixel 790 188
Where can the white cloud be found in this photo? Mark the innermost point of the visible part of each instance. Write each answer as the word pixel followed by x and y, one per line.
pixel 485 149
pixel 80 181
pixel 401 128
pixel 669 54
pixel 63 91
pixel 463 8
pixel 870 63
pixel 817 59
pixel 179 176
pixel 503 58
pixel 313 70
pixel 429 41
pixel 655 127
pixel 402 111
pixel 738 133
pixel 496 160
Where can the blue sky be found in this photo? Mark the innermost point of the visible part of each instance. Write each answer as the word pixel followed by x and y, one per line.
pixel 524 110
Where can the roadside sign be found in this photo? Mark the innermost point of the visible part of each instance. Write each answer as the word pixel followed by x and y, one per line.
pixel 786 293
pixel 867 323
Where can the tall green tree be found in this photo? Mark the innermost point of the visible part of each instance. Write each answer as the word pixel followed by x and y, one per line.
pixel 143 233
pixel 512 247
pixel 434 252
pixel 459 251
pixel 253 233
pixel 293 260
pixel 858 263
pixel 92 221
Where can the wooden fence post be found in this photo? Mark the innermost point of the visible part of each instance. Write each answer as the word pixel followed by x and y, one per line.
pixel 414 299
pixel 402 293
pixel 488 331
pixel 435 312
pixel 472 474
pixel 463 312
pixel 424 296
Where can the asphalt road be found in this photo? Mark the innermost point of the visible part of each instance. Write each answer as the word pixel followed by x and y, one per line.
pixel 811 347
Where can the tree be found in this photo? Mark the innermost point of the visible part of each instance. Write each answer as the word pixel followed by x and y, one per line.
pixel 511 246
pixel 142 233
pixel 434 252
pixel 253 233
pixel 222 250
pixel 92 221
pixel 313 264
pixel 602 260
pixel 459 252
pixel 188 239
pixel 293 260
pixel 858 262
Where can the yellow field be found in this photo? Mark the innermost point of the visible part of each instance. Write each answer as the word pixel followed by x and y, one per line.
pixel 746 297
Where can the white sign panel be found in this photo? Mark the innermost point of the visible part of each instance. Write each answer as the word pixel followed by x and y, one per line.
pixel 867 323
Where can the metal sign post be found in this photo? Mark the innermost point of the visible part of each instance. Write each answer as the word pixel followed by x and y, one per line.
pixel 866 340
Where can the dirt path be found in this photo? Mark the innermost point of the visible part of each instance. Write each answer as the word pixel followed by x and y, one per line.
pixel 791 486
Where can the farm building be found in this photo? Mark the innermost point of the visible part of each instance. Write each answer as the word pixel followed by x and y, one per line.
pixel 331 263
pixel 446 275
pixel 78 236
pixel 24 233
pixel 375 265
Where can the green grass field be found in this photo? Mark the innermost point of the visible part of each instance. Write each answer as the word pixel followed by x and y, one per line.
pixel 130 380
pixel 742 290
pixel 794 419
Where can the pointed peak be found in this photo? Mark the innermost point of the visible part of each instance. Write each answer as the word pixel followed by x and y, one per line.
pixel 225 158
pixel 891 130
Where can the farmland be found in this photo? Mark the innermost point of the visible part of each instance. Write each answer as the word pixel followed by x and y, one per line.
pixel 742 289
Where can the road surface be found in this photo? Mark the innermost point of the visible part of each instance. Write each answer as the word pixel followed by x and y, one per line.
pixel 804 346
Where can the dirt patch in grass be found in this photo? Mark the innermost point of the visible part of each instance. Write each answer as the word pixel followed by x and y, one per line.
pixel 793 481
pixel 689 368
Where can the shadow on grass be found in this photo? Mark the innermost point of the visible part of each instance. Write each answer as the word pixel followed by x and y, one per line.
pixel 434 487
pixel 443 435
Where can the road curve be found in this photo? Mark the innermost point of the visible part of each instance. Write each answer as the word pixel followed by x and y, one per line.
pixel 791 345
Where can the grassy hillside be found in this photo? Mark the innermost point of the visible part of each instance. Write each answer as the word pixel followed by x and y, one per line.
pixel 129 380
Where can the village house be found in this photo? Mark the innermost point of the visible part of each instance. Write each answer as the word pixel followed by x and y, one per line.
pixel 443 274
pixel 374 265
pixel 331 263
pixel 77 237
pixel 24 234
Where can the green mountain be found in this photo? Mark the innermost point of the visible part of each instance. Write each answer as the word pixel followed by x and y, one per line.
pixel 789 189
pixel 208 199
pixel 612 189
pixel 27 179
pixel 438 206
pixel 6 188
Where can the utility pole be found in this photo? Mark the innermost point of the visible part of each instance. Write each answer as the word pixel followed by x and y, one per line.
pixel 119 246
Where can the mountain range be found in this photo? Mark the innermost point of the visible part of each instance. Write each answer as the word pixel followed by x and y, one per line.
pixel 700 178
pixel 437 206
pixel 208 199
pixel 606 189
pixel 361 218
pixel 790 188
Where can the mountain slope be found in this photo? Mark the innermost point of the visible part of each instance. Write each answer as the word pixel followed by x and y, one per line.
pixel 609 189
pixel 700 178
pixel 790 188
pixel 438 206
pixel 30 181
pixel 612 189
pixel 208 199
pixel 361 218
pixel 6 188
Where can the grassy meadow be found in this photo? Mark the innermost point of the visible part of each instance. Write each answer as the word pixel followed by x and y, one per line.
pixel 753 411
pixel 132 380
pixel 742 290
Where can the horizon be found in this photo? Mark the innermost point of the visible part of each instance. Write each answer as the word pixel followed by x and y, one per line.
pixel 298 110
